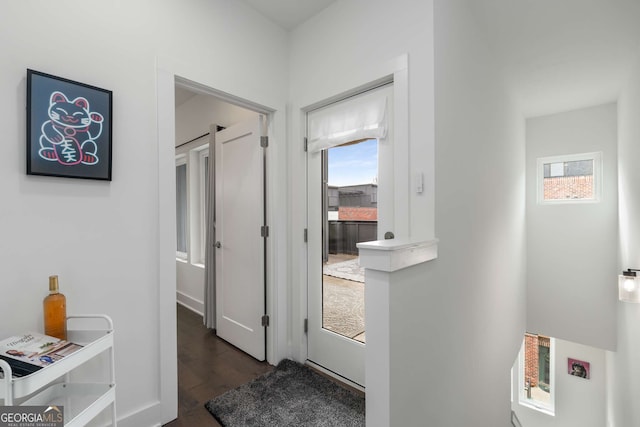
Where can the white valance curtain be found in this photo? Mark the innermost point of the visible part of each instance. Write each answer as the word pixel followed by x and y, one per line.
pixel 360 117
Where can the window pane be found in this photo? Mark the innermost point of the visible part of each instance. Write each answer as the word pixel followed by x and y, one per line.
pixel 571 180
pixel 579 168
pixel 351 217
pixel 181 207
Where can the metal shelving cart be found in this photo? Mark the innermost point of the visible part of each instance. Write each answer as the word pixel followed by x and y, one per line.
pixel 52 384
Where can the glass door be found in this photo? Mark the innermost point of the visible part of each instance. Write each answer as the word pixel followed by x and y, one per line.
pixel 350 200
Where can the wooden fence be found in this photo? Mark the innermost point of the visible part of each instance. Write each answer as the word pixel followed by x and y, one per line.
pixel 344 235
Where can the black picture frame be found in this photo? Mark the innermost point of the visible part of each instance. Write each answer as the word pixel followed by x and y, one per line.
pixel 69 128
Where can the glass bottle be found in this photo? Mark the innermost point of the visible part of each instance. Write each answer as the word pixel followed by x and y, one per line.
pixel 55 311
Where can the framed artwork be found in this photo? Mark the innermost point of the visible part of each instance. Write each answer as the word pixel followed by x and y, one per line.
pixel 69 128
pixel 578 368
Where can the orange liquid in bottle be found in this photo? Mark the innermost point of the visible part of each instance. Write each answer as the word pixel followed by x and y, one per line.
pixel 55 311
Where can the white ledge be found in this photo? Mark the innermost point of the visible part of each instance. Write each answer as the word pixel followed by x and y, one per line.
pixel 396 254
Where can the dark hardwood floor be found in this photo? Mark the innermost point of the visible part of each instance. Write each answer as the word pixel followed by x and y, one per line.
pixel 207 367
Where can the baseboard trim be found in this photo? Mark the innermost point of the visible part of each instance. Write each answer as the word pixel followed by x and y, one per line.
pixel 190 303
pixel 339 378
pixel 147 416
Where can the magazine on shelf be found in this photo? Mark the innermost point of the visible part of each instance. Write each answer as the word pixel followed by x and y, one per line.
pixel 31 352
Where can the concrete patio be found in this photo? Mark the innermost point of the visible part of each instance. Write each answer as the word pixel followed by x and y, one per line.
pixel 343 296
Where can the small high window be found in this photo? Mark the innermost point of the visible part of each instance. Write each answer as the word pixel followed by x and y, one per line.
pixel 569 179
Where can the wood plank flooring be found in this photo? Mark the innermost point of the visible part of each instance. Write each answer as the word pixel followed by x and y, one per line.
pixel 207 367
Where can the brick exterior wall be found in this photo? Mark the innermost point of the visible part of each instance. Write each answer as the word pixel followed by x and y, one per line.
pixel 531 352
pixel 568 187
pixel 531 359
pixel 348 213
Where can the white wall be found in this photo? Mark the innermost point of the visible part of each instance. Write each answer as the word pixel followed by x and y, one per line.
pixel 579 402
pixel 441 352
pixel 193 119
pixel 624 386
pixel 104 239
pixel 472 310
pixel 572 248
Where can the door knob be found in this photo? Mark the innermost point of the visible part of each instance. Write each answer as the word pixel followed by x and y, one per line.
pixel 218 244
pixel 389 235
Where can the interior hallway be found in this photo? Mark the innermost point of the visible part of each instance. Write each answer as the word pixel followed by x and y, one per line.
pixel 207 367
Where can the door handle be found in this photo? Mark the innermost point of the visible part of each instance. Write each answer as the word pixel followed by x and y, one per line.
pixel 218 244
pixel 389 235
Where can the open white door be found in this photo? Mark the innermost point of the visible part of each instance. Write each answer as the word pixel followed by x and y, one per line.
pixel 240 245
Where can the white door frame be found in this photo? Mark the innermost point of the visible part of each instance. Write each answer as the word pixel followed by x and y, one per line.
pixel 168 75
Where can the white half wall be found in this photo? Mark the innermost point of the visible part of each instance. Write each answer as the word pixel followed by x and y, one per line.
pixel 572 263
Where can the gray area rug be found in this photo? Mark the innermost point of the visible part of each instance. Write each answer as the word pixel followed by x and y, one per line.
pixel 290 395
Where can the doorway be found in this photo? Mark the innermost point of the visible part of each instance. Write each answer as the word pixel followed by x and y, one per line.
pixel 199 157
pixel 194 112
pixel 167 79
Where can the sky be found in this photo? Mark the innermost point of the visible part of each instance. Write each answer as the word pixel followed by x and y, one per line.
pixel 354 164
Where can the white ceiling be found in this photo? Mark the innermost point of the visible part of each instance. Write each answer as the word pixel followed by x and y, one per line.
pixel 561 55
pixel 289 13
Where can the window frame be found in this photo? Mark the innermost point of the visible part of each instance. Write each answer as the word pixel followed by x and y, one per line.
pixel 203 157
pixel 548 409
pixel 596 157
pixel 180 161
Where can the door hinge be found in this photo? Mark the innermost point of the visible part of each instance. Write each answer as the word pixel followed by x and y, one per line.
pixel 264 231
pixel 264 141
pixel 306 325
pixel 306 235
pixel 306 144
pixel 265 320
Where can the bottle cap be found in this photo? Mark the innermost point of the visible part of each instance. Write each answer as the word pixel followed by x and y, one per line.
pixel 53 283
